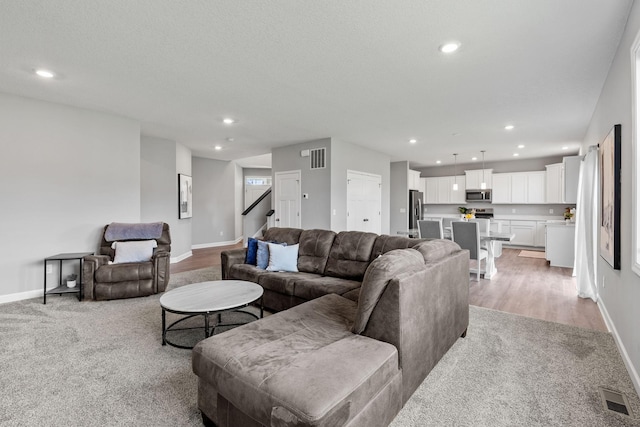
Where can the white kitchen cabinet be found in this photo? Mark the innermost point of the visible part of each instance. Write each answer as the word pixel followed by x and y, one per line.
pixel 413 180
pixel 540 234
pixel 518 188
pixel 560 249
pixel 536 186
pixel 524 232
pixel 554 184
pixel 439 190
pixel 501 190
pixel 460 196
pixel 444 189
pixel 431 191
pixel 474 178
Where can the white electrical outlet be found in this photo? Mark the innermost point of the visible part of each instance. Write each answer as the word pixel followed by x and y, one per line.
pixel 513 211
pixel 222 233
pixel 603 282
pixel 403 210
pixel 49 268
pixel 334 212
pixel 550 211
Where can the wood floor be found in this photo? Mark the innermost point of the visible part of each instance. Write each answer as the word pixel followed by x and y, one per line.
pixel 524 286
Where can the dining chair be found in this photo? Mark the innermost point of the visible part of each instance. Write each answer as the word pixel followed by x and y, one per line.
pixel 467 235
pixel 430 228
pixel 485 227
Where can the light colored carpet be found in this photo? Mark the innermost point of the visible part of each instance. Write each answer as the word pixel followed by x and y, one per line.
pixel 102 364
pixel 532 254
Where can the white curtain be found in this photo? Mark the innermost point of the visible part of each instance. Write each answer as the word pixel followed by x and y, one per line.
pixel 586 227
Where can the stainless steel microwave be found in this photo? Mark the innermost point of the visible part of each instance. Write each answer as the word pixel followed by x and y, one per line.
pixel 478 196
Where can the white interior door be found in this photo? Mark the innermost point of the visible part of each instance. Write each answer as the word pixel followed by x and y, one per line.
pixel 364 202
pixel 287 197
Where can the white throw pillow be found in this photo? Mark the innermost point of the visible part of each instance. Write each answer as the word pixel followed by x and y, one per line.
pixel 134 251
pixel 283 258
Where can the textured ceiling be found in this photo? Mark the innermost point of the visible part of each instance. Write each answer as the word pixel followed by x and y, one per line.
pixel 366 72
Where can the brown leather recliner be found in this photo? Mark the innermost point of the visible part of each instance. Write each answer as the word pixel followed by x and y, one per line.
pixel 104 281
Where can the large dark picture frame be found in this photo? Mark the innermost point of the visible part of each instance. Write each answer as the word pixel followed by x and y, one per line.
pixel 610 160
pixel 185 190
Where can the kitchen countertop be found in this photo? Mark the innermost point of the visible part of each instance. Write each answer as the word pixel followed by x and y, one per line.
pixel 506 217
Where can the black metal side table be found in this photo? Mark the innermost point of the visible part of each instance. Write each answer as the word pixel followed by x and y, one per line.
pixel 62 288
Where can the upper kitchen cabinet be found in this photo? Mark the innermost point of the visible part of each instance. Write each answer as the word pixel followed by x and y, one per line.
pixel 562 181
pixel 439 190
pixel 474 178
pixel 413 179
pixel 518 188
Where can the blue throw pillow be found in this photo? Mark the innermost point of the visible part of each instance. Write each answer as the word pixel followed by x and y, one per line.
pixel 262 256
pixel 252 251
pixel 283 258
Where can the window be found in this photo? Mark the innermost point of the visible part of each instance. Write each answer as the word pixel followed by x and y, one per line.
pixel 635 218
pixel 251 180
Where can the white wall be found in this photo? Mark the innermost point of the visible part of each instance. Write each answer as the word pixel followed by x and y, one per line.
pixel 315 211
pixel 345 156
pixel 64 173
pixel 215 191
pixel 160 161
pixel 620 289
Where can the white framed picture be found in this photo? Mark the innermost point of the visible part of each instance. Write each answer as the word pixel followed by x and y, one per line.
pixel 185 196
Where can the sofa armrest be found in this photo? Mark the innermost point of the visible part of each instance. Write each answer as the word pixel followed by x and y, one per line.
pixel 89 266
pixel 423 314
pixel 161 270
pixel 230 258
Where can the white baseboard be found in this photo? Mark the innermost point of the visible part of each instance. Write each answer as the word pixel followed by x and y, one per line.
pixel 623 351
pixel 179 258
pixel 216 244
pixel 19 296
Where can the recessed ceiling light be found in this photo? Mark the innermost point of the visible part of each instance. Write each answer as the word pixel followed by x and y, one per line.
pixel 230 139
pixel 474 158
pixel 515 154
pixel 413 141
pixel 218 147
pixel 45 73
pixel 438 162
pixel 509 127
pixel 521 146
pixel 565 148
pixel 228 121
pixel 449 47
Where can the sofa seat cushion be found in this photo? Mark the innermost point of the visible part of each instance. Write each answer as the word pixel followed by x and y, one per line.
pixel 302 365
pixel 282 282
pixel 124 272
pixel 309 288
pixel 247 272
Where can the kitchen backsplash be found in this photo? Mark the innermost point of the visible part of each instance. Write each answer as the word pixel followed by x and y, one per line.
pixel 542 210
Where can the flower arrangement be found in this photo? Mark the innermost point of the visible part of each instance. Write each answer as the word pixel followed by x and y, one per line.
pixel 462 209
pixel 568 214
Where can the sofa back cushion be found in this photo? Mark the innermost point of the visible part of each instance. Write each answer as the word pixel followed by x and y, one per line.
pixel 290 236
pixel 313 253
pixel 164 242
pixel 437 249
pixel 350 254
pixel 386 243
pixel 377 277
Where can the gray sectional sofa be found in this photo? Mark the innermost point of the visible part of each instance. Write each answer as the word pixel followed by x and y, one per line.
pixel 336 360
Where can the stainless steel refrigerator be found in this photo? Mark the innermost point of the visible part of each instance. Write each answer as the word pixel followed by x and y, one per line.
pixel 415 208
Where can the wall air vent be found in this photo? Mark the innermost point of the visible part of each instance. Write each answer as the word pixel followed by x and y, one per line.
pixel 318 158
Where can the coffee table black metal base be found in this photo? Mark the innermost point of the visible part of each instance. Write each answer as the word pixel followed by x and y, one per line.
pixel 207 328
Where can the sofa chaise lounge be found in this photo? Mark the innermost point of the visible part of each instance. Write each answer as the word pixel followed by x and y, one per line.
pixel 339 361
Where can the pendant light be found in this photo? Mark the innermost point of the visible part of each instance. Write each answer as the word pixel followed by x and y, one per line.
pixel 455 176
pixel 483 184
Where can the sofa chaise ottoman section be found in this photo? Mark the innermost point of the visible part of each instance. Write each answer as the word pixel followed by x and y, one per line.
pixel 260 368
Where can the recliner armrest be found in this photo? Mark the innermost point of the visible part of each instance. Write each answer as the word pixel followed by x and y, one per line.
pixel 161 269
pixel 89 266
pixel 230 258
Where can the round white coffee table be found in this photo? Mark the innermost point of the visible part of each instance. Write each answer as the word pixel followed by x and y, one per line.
pixel 206 298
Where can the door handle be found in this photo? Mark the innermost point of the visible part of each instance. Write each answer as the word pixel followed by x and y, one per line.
pixel 366 219
pixel 277 219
